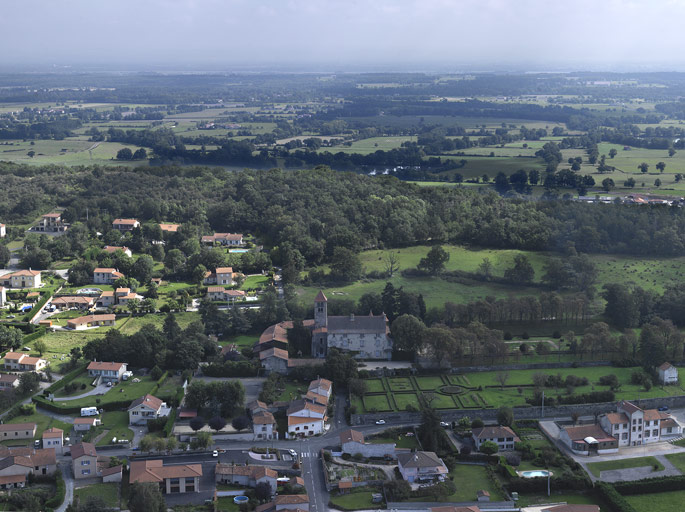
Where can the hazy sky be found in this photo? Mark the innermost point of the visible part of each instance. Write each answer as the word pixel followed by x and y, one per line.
pixel 332 34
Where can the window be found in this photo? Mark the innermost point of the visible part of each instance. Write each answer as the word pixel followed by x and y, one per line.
pixel 625 436
pixel 85 463
pixel 85 471
pixel 669 429
pixel 655 433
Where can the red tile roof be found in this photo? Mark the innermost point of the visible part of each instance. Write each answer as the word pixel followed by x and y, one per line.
pixel 101 365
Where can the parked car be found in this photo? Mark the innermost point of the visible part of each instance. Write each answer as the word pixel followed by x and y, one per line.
pixel 380 422
pixel 663 408
pixel 444 424
pixel 292 452
pixel 215 453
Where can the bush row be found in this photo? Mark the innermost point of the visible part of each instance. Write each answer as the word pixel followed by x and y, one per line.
pixel 651 485
pixel 66 379
pixel 170 423
pixel 615 501
pixel 57 500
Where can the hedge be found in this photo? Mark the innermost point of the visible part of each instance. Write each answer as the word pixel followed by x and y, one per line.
pixel 651 485
pixel 170 423
pixel 37 334
pixel 159 383
pixel 613 498
pixel 66 379
pixel 46 404
pixel 57 500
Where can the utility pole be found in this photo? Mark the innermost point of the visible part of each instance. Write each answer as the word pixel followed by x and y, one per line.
pixel 542 413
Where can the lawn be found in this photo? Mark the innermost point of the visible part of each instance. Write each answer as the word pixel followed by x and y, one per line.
pixel 597 467
pixel 125 391
pixel 377 402
pixel 42 422
pixel 109 492
pixel 527 500
pixel 668 500
pixel 400 384
pixel 255 283
pixel 292 391
pixel 402 400
pixel 375 386
pixel 678 460
pixel 359 499
pixel 80 381
pixel 241 341
pixel 135 323
pixel 469 479
pixel 400 440
pixel 429 383
pixel 438 401
pixel 116 423
pixel 226 504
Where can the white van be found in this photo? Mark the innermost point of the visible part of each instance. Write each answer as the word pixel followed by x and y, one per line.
pixel 89 411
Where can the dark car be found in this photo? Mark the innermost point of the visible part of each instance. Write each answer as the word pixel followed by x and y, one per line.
pixel 663 408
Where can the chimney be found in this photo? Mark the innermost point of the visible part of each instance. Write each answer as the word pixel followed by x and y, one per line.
pixel 351 317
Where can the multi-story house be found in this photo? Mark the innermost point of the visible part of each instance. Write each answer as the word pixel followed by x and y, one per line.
pixel 22 279
pixel 53 438
pixel 146 408
pixel 3 231
pixel 22 362
pixel 503 437
pixel 247 476
pixel 51 223
pixel 84 460
pixel 172 479
pixel 106 275
pixel 305 419
pixel 421 466
pixel 264 426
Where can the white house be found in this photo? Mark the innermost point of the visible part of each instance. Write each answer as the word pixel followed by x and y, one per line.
pixel 125 224
pixel 3 296
pixel 107 371
pixel 632 426
pixel 321 387
pixel 668 374
pixel 248 476
pixel 503 437
pixel 3 231
pixel 264 426
pixel 106 275
pixel 305 419
pixel 146 408
pixel 53 438
pixel 23 362
pixel 85 424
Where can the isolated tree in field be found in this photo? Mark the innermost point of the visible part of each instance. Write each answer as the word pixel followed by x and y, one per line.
pixel 607 184
pixel 671 152
pixel 502 378
pixel 31 154
pixel 612 152
pixel 125 154
pixel 502 184
pixel 678 177
pixel 391 263
pixel 629 183
pixel 489 448
pixel 521 272
pixel 661 166
pixel 407 332
pixel 505 416
pixel 644 167
pixel 435 260
pixel 485 269
pixel 657 182
pixel 40 347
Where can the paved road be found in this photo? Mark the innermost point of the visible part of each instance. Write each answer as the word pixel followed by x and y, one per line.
pixel 101 389
pixel 65 466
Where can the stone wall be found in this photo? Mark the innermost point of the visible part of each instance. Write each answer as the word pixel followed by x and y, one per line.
pixel 369 449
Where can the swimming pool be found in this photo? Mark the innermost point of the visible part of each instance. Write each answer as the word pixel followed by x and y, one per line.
pixel 240 499
pixel 239 250
pixel 535 473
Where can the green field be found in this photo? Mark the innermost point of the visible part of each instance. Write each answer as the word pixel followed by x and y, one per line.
pixel 667 500
pixel 597 467
pixel 124 391
pixel 359 499
pixel 678 460
pixel 109 492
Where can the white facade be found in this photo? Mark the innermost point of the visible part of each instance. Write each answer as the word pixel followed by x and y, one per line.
pixel 3 296
pixel 106 275
pixel 668 374
pixel 3 231
pixel 23 279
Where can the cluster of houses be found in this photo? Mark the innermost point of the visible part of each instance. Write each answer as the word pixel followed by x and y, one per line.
pixel 17 462
pixel 628 426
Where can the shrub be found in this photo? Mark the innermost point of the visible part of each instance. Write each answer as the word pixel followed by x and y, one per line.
pixel 556 335
pixel 513 458
pixel 411 408
pixel 525 335
pixel 507 336
pixel 57 500
pixel 477 423
pixel 489 448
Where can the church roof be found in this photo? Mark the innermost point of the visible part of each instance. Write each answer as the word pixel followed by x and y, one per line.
pixel 356 324
pixel 321 297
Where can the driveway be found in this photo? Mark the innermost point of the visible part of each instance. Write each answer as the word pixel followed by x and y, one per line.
pixel 68 484
pixel 98 390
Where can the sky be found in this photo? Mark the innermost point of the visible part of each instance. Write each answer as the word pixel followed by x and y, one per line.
pixel 421 35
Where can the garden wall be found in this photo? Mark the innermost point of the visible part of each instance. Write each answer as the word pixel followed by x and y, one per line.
pixel 483 505
pixel 519 412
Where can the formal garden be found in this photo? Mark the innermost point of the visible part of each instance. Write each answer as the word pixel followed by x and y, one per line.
pixel 493 389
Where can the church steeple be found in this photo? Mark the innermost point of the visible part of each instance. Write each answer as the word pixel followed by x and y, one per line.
pixel 321 310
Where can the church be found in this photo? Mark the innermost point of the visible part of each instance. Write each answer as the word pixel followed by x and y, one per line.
pixel 367 336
